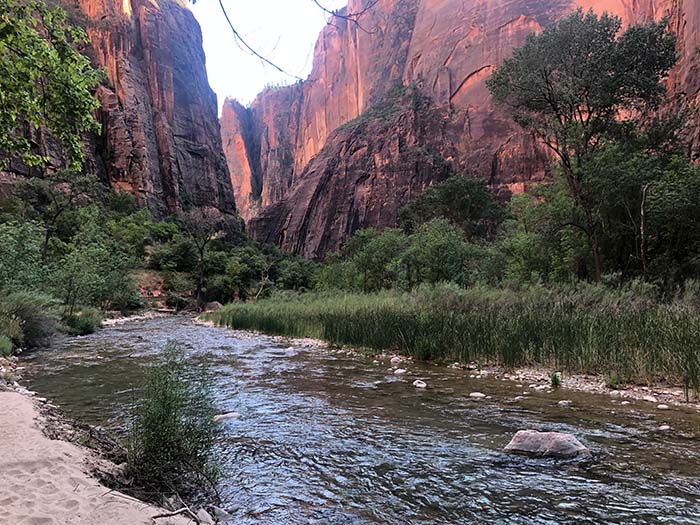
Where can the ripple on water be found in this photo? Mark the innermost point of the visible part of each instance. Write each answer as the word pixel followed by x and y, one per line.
pixel 327 438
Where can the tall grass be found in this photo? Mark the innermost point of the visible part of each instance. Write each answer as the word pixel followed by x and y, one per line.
pixel 581 330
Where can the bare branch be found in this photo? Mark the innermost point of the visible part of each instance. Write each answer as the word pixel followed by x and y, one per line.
pixel 240 39
pixel 350 17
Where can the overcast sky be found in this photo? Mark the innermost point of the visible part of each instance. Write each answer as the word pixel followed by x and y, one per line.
pixel 284 31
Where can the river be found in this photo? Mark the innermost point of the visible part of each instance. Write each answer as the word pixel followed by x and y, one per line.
pixel 327 437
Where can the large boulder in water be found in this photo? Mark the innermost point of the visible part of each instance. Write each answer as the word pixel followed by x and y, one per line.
pixel 547 445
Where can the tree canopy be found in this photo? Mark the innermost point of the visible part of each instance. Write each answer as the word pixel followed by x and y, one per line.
pixel 46 84
pixel 581 85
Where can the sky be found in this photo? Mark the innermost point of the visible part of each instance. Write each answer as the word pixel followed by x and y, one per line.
pixel 284 31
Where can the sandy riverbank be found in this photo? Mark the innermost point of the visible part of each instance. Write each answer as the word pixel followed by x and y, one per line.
pixel 48 482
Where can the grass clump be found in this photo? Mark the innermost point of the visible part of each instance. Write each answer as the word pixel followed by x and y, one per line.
pixel 5 346
pixel 555 380
pixel 83 322
pixel 171 441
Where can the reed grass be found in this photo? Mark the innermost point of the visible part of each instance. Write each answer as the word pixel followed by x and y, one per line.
pixel 577 330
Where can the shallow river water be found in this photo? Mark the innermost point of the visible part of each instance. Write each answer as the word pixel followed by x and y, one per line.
pixel 330 438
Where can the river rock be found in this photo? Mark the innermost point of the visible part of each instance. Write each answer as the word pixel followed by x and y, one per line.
pixel 477 395
pixel 213 306
pixel 400 371
pixel 558 445
pixel 651 399
pixel 223 417
pixel 420 384
pixel 396 360
pixel 204 517
pixel 564 403
pixel 663 407
pixel 664 428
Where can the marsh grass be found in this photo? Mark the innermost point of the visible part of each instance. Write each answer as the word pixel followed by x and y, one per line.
pixel 579 330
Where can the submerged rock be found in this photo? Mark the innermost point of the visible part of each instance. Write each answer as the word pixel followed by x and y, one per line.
pixel 223 417
pixel 558 445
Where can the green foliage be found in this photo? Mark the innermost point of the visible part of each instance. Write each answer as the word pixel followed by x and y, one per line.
pixel 26 318
pixel 555 380
pixel 173 432
pixel 463 201
pixel 20 259
pixel 92 271
pixel 45 82
pixel 580 86
pixel 5 346
pixel 85 321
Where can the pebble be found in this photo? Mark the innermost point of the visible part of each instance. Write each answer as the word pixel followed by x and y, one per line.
pixel 477 395
pixel 519 398
pixel 625 403
pixel 663 428
pixel 396 360
pixel 564 403
pixel 400 371
pixel 662 407
pixel 651 399
pixel 420 384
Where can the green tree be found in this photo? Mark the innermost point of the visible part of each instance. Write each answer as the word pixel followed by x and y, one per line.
pixel 580 85
pixel 437 252
pixel 464 201
pixel 50 197
pixel 45 84
pixel 20 263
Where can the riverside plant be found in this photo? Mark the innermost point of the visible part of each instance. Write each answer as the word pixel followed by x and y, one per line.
pixel 579 330
pixel 171 440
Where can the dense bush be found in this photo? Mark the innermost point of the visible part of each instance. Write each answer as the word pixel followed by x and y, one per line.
pixel 172 435
pixel 83 322
pixel 26 318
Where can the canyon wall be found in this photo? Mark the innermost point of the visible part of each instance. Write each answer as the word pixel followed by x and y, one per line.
pixel 277 148
pixel 160 132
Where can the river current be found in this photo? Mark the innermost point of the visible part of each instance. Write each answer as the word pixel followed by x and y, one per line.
pixel 328 437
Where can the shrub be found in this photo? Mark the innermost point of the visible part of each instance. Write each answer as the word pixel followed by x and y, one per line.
pixel 83 322
pixel 5 346
pixel 171 439
pixel 555 380
pixel 26 318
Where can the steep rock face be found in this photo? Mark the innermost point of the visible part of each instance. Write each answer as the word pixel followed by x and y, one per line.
pixel 367 171
pixel 161 138
pixel 446 47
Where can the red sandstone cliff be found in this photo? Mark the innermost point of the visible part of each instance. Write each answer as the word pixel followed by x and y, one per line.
pixel 161 138
pixel 448 48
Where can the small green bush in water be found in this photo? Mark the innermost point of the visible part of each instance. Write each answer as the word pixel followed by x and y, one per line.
pixel 555 379
pixel 171 440
pixel 83 322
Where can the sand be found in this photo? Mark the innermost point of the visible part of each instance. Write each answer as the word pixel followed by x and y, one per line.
pixel 46 482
